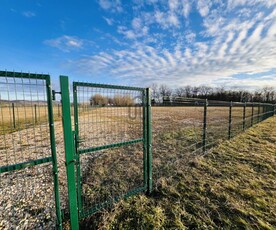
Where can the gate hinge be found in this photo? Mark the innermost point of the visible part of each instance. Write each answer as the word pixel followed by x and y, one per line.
pixel 54 94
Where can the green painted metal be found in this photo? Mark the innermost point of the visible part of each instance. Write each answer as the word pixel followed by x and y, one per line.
pixel 93 149
pixel 77 143
pixel 107 86
pixel 23 165
pixel 145 139
pixel 252 114
pixel 13 116
pixel 24 75
pixel 259 112
pixel 230 120
pixel 98 207
pixel 53 150
pixel 204 126
pixel 149 141
pixel 53 157
pixel 243 116
pixel 69 147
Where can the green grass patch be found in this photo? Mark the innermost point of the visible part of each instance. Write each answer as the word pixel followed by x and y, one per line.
pixel 231 187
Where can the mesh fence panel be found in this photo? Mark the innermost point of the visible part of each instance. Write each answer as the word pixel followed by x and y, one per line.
pixel 109 123
pixel 26 195
pixel 175 129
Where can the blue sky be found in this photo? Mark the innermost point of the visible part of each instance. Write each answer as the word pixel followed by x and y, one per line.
pixel 175 42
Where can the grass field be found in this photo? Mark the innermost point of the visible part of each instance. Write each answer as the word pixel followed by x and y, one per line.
pixel 232 187
pixel 177 138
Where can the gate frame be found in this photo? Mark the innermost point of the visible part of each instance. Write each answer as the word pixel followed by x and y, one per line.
pixel 72 140
pixel 53 157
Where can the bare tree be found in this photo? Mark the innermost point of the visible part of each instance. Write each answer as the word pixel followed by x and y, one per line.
pixel 268 94
pixel 180 92
pixel 205 90
pixel 165 91
pixel 188 91
pixel 98 99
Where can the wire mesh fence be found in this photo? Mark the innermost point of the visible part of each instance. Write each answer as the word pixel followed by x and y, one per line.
pixel 110 130
pixel 194 126
pixel 109 126
pixel 26 171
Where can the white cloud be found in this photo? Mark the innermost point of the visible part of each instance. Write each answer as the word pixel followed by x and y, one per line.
pixel 28 14
pixel 186 8
pixel 166 20
pixel 229 44
pixel 203 7
pixel 113 5
pixel 65 43
pixel 173 5
pixel 109 21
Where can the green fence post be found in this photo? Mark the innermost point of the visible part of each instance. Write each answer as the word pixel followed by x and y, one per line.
pixel 243 117
pixel 13 116
pixel 252 114
pixel 263 111
pixel 53 150
pixel 77 141
pixel 149 140
pixel 230 120
pixel 259 111
pixel 35 113
pixel 69 152
pixel 145 137
pixel 204 125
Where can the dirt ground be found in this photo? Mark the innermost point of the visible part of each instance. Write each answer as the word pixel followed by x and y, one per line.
pixel 26 195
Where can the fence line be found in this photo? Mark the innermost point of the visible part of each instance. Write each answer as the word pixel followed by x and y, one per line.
pixel 32 159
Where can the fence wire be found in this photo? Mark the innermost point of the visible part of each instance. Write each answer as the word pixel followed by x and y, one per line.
pixel 108 118
pixel 109 138
pixel 182 131
pixel 26 193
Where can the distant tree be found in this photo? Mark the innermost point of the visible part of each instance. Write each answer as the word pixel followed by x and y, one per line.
pixel 195 91
pixel 98 99
pixel 125 100
pixel 268 94
pixel 205 90
pixel 188 91
pixel 155 93
pixel 180 92
pixel 165 91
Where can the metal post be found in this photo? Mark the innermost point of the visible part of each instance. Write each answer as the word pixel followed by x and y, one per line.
pixel 77 141
pixel 53 150
pixel 69 151
pixel 259 111
pixel 204 125
pixel 145 137
pixel 35 114
pixel 252 114
pixel 149 140
pixel 230 120
pixel 58 111
pixel 13 116
pixel 243 117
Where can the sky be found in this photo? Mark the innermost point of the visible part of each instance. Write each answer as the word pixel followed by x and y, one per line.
pixel 230 43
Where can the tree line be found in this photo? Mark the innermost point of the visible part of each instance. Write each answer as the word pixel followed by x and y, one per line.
pixel 160 92
pixel 117 100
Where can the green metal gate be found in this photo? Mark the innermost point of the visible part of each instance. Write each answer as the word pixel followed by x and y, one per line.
pixel 108 155
pixel 29 195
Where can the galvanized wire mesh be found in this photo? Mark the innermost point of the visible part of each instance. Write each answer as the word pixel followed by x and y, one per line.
pixel 26 189
pixel 176 129
pixel 108 119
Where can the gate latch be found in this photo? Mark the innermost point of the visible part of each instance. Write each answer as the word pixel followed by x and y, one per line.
pixel 54 94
